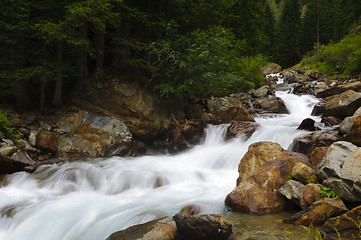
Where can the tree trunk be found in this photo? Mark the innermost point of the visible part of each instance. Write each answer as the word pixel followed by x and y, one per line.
pixel 59 74
pixel 83 55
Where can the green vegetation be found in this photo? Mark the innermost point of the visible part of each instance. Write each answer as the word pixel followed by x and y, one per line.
pixel 327 192
pixel 5 125
pixel 341 58
pixel 177 48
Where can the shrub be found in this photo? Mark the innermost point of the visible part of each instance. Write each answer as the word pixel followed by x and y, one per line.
pixel 5 125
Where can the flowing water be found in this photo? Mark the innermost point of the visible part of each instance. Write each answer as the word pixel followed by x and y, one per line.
pixel 91 199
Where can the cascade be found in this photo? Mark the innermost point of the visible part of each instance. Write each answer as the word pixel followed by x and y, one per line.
pixel 92 199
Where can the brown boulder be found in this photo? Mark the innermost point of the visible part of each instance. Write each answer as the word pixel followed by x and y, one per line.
pixel 243 128
pixel 47 141
pixel 311 192
pixel 319 212
pixel 303 173
pixel 316 156
pixel 307 124
pixel 342 105
pixel 224 110
pixel 345 226
pixel 270 105
pixel 339 89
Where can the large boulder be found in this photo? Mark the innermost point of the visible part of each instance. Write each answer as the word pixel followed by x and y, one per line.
pixel 47 141
pixel 353 135
pixel 146 115
pixel 316 156
pixel 308 143
pixel 262 171
pixel 270 105
pixel 88 135
pixel 339 89
pixel 7 166
pixel 342 105
pixel 272 68
pixel 243 128
pixel 303 173
pixel 179 227
pixel 261 92
pixel 311 192
pixel 340 170
pixel 307 124
pixel 224 110
pixel 319 212
pixel 345 226
pixel 297 78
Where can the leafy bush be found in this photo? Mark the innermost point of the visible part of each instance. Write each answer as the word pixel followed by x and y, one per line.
pixel 202 64
pixel 5 125
pixel 343 57
pixel 327 192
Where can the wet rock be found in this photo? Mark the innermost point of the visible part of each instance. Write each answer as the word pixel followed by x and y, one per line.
pixel 319 212
pixel 262 171
pixel 22 159
pixel 202 227
pixel 297 78
pixel 303 173
pixel 226 109
pixel 319 87
pixel 7 150
pixel 163 229
pixel 270 105
pixel 307 124
pixel 342 105
pixel 7 166
pixel 293 191
pixel 308 143
pixel 318 109
pixel 346 124
pixel 330 120
pixel 261 92
pixel 345 226
pixel 339 89
pixel 190 210
pixel 25 146
pixel 45 126
pixel 354 133
pixel 311 192
pixel 316 156
pixel 143 113
pixel 47 141
pixel 244 128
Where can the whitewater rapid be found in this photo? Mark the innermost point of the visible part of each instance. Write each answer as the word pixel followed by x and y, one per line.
pixel 93 198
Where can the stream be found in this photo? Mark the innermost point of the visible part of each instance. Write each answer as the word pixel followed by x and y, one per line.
pixel 89 200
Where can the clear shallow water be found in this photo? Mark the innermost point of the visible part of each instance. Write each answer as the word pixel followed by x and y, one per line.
pixel 91 199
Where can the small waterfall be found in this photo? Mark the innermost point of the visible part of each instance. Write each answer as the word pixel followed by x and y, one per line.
pixel 91 199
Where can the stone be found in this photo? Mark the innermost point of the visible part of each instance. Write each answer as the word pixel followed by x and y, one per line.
pixel 226 109
pixel 261 92
pixel 330 120
pixel 272 68
pixel 22 159
pixel 243 128
pixel 319 212
pixel 312 73
pixel 297 78
pixel 32 137
pixel 345 226
pixel 293 191
pixel 339 89
pixel 303 173
pixel 7 150
pixel 45 126
pixel 47 141
pixel 308 143
pixel 199 227
pixel 346 124
pixel 316 156
pixel 354 134
pixel 262 171
pixel 162 229
pixel 8 142
pixel 7 166
pixel 190 210
pixel 307 124
pixel 270 105
pixel 146 115
pixel 342 105
pixel 335 160
pixel 319 87
pixel 25 146
pixel 311 192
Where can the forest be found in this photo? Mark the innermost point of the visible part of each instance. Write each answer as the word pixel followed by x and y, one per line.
pixel 178 49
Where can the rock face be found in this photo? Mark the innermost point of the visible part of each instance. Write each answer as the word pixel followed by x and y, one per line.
pixel 270 105
pixel 340 169
pixel 345 226
pixel 144 114
pixel 262 171
pixel 179 227
pixel 226 109
pixel 319 212
pixel 84 134
pixel 342 105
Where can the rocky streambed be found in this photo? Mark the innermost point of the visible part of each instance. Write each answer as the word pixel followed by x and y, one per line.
pixel 143 159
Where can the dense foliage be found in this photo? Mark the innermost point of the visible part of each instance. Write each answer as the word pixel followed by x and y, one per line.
pixel 177 48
